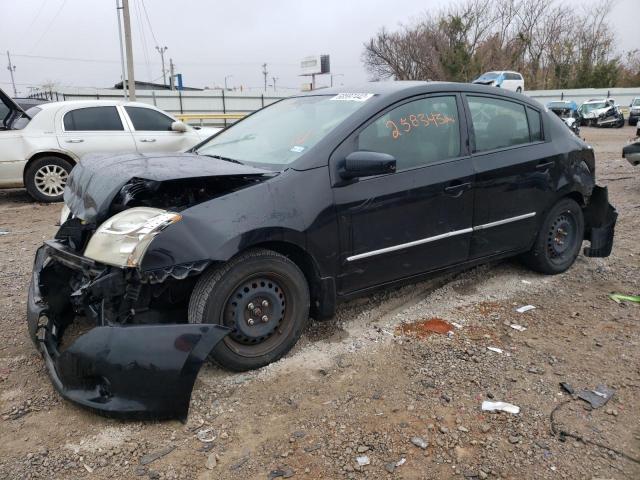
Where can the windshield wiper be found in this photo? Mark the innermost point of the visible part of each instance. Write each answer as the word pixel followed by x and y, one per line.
pixel 226 159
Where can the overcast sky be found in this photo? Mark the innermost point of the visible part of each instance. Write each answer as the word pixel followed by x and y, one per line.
pixel 209 40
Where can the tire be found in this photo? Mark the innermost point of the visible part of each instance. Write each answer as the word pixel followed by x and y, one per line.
pixel 235 293
pixel 46 177
pixel 519 90
pixel 559 239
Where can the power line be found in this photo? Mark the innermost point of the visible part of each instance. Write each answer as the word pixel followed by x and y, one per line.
pixel 46 30
pixel 153 35
pixel 33 20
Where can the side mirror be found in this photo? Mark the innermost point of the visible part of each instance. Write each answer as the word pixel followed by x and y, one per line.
pixel 366 164
pixel 178 127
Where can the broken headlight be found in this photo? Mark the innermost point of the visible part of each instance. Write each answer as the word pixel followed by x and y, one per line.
pixel 123 239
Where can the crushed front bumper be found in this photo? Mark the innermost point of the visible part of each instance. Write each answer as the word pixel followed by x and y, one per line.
pixel 128 371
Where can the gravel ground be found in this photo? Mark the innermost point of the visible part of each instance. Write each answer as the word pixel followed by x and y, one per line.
pixel 361 396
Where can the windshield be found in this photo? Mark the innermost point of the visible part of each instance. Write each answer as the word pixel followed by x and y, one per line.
pixel 22 122
pixel 636 102
pixel 489 76
pixel 587 107
pixel 280 133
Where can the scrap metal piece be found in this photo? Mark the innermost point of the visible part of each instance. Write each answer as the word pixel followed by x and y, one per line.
pixel 597 397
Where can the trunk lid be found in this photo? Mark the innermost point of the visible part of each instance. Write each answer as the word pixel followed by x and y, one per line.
pixel 10 111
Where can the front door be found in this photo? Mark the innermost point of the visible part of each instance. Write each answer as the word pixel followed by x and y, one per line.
pixel 152 131
pixel 415 220
pixel 515 170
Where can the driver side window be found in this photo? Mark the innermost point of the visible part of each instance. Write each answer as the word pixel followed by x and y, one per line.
pixel 416 133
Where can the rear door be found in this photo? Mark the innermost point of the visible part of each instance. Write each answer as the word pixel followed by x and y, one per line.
pixel 97 129
pixel 419 218
pixel 515 173
pixel 152 131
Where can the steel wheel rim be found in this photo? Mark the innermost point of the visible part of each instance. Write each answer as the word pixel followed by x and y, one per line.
pixel 50 180
pixel 561 237
pixel 263 336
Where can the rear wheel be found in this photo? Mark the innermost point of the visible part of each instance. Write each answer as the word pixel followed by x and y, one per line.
pixel 46 178
pixel 559 239
pixel 263 297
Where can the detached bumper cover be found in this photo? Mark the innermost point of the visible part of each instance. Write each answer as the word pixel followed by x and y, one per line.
pixel 600 220
pixel 134 371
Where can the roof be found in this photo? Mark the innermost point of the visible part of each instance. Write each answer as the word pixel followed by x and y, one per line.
pixel 90 103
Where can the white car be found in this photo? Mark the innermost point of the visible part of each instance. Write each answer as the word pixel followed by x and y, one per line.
pixel 39 147
pixel 504 79
pixel 593 108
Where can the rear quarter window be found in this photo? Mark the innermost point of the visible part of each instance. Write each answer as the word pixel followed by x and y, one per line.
pixel 535 125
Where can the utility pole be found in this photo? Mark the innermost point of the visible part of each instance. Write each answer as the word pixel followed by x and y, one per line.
pixel 172 74
pixel 225 81
pixel 131 82
pixel 265 73
pixel 274 82
pixel 12 68
pixel 161 51
pixel 124 73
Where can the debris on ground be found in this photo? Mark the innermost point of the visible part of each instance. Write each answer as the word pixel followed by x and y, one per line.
pixel 153 456
pixel 525 308
pixel 495 349
pixel 206 435
pixel 420 442
pixel 519 328
pixel 598 396
pixel 488 406
pixel 363 460
pixel 425 328
pixel 619 298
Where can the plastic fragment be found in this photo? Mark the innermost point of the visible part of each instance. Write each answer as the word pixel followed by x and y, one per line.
pixel 619 297
pixel 495 349
pixel 400 462
pixel 206 435
pixel 500 406
pixel 519 328
pixel 363 460
pixel 525 308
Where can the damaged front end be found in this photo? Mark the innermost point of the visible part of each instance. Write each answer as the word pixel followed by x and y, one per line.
pixel 124 366
pixel 139 356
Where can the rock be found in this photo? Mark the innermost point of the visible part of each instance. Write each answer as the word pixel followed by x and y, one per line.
pixel 485 428
pixel 420 442
pixel 363 448
pixel 514 439
pixel 212 461
pixel 443 429
pixel 390 467
pixel 483 475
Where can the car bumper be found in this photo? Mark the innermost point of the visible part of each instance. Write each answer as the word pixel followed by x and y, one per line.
pixel 128 371
pixel 600 221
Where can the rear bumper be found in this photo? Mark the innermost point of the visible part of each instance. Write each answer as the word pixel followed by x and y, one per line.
pixel 632 153
pixel 600 222
pixel 128 371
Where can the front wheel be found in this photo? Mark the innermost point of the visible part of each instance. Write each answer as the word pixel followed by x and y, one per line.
pixel 559 239
pixel 263 297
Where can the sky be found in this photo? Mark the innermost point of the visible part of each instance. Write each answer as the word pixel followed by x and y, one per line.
pixel 75 42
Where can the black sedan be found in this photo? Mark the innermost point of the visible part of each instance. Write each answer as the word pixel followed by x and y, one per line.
pixel 225 251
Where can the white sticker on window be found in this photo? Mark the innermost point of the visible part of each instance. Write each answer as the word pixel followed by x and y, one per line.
pixel 353 97
pixel 296 149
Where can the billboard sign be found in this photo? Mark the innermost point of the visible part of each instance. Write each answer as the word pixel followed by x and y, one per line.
pixel 315 65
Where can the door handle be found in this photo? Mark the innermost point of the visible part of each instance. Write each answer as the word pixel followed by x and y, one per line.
pixel 544 165
pixel 457 187
pixel 75 140
pixel 148 140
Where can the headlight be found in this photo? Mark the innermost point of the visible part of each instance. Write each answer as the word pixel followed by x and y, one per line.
pixel 123 239
pixel 64 214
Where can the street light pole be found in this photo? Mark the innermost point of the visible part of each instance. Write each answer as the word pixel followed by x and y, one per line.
pixel 131 82
pixel 12 68
pixel 274 82
pixel 124 74
pixel 225 81
pixel 265 73
pixel 161 51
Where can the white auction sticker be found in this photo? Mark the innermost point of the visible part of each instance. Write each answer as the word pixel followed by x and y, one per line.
pixel 297 149
pixel 353 97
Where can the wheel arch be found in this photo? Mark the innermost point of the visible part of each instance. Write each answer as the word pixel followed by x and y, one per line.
pixel 47 153
pixel 322 290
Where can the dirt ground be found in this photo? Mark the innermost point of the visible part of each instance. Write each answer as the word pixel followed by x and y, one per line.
pixel 363 387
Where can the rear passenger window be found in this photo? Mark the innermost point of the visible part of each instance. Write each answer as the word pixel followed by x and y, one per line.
pixel 416 133
pixel 93 118
pixel 535 128
pixel 497 123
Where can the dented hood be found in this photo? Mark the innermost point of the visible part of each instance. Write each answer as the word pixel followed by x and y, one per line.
pixel 96 180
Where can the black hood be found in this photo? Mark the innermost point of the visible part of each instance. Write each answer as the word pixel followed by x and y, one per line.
pixel 96 179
